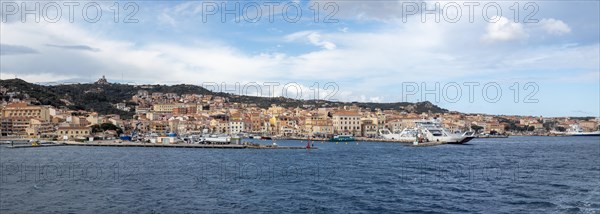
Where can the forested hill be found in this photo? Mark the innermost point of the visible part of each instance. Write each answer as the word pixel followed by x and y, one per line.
pixel 102 97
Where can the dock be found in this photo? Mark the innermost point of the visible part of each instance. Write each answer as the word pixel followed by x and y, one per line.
pixel 131 144
pixel 359 139
pixel 32 146
pixel 427 144
pixel 492 136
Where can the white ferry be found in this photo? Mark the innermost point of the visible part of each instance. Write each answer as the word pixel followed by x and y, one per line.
pixel 406 135
pixel 575 130
pixel 428 131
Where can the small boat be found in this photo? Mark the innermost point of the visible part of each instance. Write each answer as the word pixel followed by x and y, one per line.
pixel 266 138
pixel 342 138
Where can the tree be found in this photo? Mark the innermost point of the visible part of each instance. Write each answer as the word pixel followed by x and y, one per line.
pixel 476 128
pixel 96 128
pixel 530 128
pixel 548 125
pixel 106 126
pixel 561 129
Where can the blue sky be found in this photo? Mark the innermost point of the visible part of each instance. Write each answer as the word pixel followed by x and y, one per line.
pixel 372 51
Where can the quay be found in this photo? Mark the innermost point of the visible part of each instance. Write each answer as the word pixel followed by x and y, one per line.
pixel 405 143
pixel 18 146
pixel 130 144
pixel 359 139
pixel 427 144
pixel 492 136
pixel 127 144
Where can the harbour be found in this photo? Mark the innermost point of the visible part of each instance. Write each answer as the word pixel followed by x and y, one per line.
pixel 253 144
pixel 109 179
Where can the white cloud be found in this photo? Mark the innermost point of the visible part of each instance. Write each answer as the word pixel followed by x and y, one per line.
pixel 315 39
pixel 368 66
pixel 504 30
pixel 202 61
pixel 38 77
pixel 555 27
pixel 312 37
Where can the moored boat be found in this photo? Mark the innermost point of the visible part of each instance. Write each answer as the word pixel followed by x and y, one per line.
pixel 406 135
pixel 576 131
pixel 342 138
pixel 427 131
pixel 434 132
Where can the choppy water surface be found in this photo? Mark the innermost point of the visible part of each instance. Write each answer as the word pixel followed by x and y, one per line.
pixel 518 174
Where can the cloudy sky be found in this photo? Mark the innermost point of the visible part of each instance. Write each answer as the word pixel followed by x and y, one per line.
pixel 525 58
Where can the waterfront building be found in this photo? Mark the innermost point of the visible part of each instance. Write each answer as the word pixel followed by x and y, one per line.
pixel 14 126
pixel 70 133
pixel 322 128
pixel 16 118
pixel 39 128
pixel 346 122
pixel 494 126
pixel 27 111
pixel 369 128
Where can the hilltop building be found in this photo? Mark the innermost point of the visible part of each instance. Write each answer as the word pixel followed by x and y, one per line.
pixel 102 81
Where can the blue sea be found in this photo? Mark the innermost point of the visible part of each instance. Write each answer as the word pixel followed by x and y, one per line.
pixel 509 175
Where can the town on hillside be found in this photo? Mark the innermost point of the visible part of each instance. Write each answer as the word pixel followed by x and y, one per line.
pixel 159 114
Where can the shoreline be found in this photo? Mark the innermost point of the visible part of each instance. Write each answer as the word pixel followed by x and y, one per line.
pixel 181 145
pixel 25 143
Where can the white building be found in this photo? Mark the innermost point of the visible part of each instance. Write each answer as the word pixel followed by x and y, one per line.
pixel 236 127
